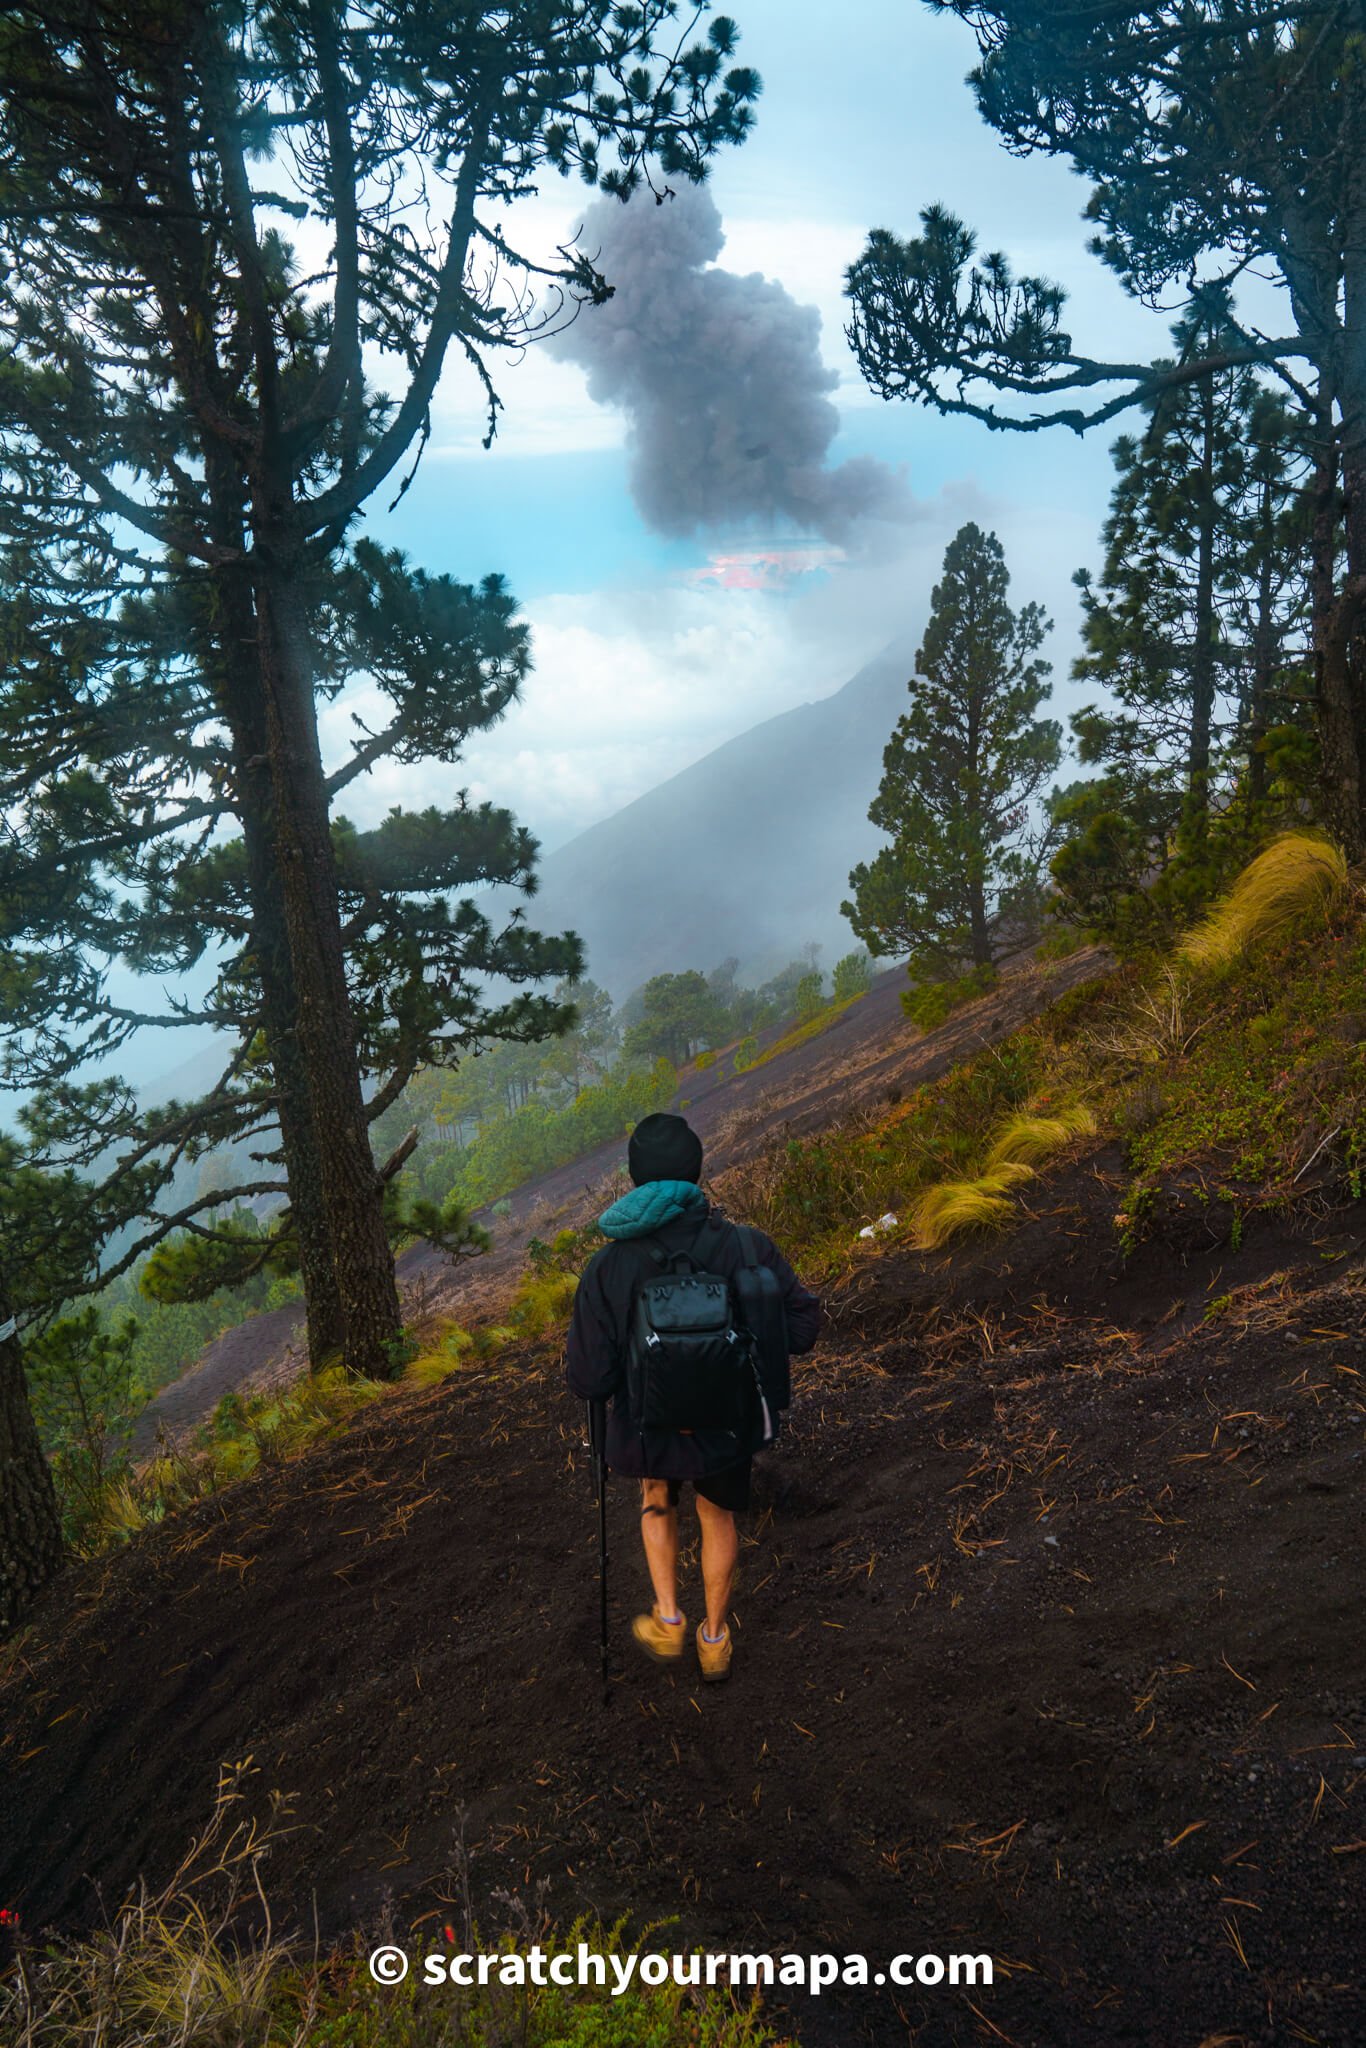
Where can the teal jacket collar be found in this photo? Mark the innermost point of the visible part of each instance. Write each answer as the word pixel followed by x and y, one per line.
pixel 650 1206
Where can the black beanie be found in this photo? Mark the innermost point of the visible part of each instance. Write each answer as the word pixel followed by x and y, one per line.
pixel 664 1147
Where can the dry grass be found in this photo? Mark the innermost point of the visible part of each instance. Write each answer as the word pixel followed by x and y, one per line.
pixel 440 1359
pixel 1156 1028
pixel 1027 1140
pixel 166 1972
pixel 956 1207
pixel 1016 1148
pixel 1297 875
pixel 174 1969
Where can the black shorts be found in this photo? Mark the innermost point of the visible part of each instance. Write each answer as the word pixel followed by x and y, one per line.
pixel 727 1488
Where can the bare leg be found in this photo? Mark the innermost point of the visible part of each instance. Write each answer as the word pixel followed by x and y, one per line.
pixel 659 1533
pixel 720 1548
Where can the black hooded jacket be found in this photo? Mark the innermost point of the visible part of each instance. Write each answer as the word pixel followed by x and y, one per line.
pixel 600 1325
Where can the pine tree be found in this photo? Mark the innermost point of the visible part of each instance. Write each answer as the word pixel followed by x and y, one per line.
pixel 962 770
pixel 1195 629
pixel 1270 611
pixel 1216 141
pixel 101 869
pixel 44 1235
pixel 1190 628
pixel 585 1051
pixel 853 976
pixel 1155 632
pixel 679 1016
pixel 186 420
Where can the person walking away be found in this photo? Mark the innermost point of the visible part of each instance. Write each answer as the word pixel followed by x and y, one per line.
pixel 665 1213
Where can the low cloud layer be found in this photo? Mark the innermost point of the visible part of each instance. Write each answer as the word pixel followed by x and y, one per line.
pixel 721 379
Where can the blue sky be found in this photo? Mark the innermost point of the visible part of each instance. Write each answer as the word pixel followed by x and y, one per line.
pixel 640 666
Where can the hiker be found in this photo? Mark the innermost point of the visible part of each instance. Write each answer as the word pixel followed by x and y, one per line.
pixel 665 1214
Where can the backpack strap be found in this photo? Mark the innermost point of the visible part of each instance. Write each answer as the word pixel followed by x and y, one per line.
pixel 708 1240
pixel 749 1250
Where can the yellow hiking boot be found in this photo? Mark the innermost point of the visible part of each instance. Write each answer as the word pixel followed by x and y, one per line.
pixel 713 1657
pixel 662 1640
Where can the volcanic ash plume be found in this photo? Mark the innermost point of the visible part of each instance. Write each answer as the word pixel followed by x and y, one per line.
pixel 721 377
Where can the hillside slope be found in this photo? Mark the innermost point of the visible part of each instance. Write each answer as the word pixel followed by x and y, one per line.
pixel 747 852
pixel 869 1050
pixel 1046 1649
pixel 1047 1635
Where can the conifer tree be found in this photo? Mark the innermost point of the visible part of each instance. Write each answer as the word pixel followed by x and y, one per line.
pixel 961 774
pixel 30 1522
pixel 679 1015
pixel 118 857
pixel 1196 630
pixel 1156 633
pixel 188 429
pixel 1216 140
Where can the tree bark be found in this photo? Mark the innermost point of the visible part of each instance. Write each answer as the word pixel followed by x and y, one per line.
pixel 31 1550
pixel 351 1188
pixel 1264 651
pixel 326 1323
pixel 1339 757
pixel 1203 649
pixel 1345 666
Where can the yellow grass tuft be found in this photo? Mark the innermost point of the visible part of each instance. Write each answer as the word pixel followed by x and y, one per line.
pixel 1028 1140
pixel 123 1512
pixel 543 1300
pixel 956 1206
pixel 429 1368
pixel 1297 874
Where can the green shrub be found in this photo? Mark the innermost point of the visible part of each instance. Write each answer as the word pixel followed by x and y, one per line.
pixel 808 996
pixel 933 1003
pixel 513 1149
pixel 1060 944
pixel 85 1396
pixel 853 976
pixel 928 1006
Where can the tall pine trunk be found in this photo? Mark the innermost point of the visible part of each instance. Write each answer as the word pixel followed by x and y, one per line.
pixel 326 1323
pixel 1345 664
pixel 351 1188
pixel 30 1522
pixel 1340 781
pixel 979 929
pixel 1203 652
pixel 1264 653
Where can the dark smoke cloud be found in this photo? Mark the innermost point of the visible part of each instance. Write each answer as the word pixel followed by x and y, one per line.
pixel 721 378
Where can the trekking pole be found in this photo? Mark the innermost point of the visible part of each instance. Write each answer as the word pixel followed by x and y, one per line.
pixel 597 1441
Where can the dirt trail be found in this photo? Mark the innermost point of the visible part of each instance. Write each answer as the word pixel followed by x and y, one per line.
pixel 1049 1645
pixel 868 1050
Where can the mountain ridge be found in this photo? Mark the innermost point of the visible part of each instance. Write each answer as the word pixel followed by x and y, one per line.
pixel 745 852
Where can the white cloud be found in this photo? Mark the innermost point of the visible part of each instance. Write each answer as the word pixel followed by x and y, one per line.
pixel 631 685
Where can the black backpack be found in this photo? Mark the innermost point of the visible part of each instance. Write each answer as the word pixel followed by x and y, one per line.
pixel 705 1352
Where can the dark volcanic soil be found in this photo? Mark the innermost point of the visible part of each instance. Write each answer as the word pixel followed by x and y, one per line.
pixel 1049 1645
